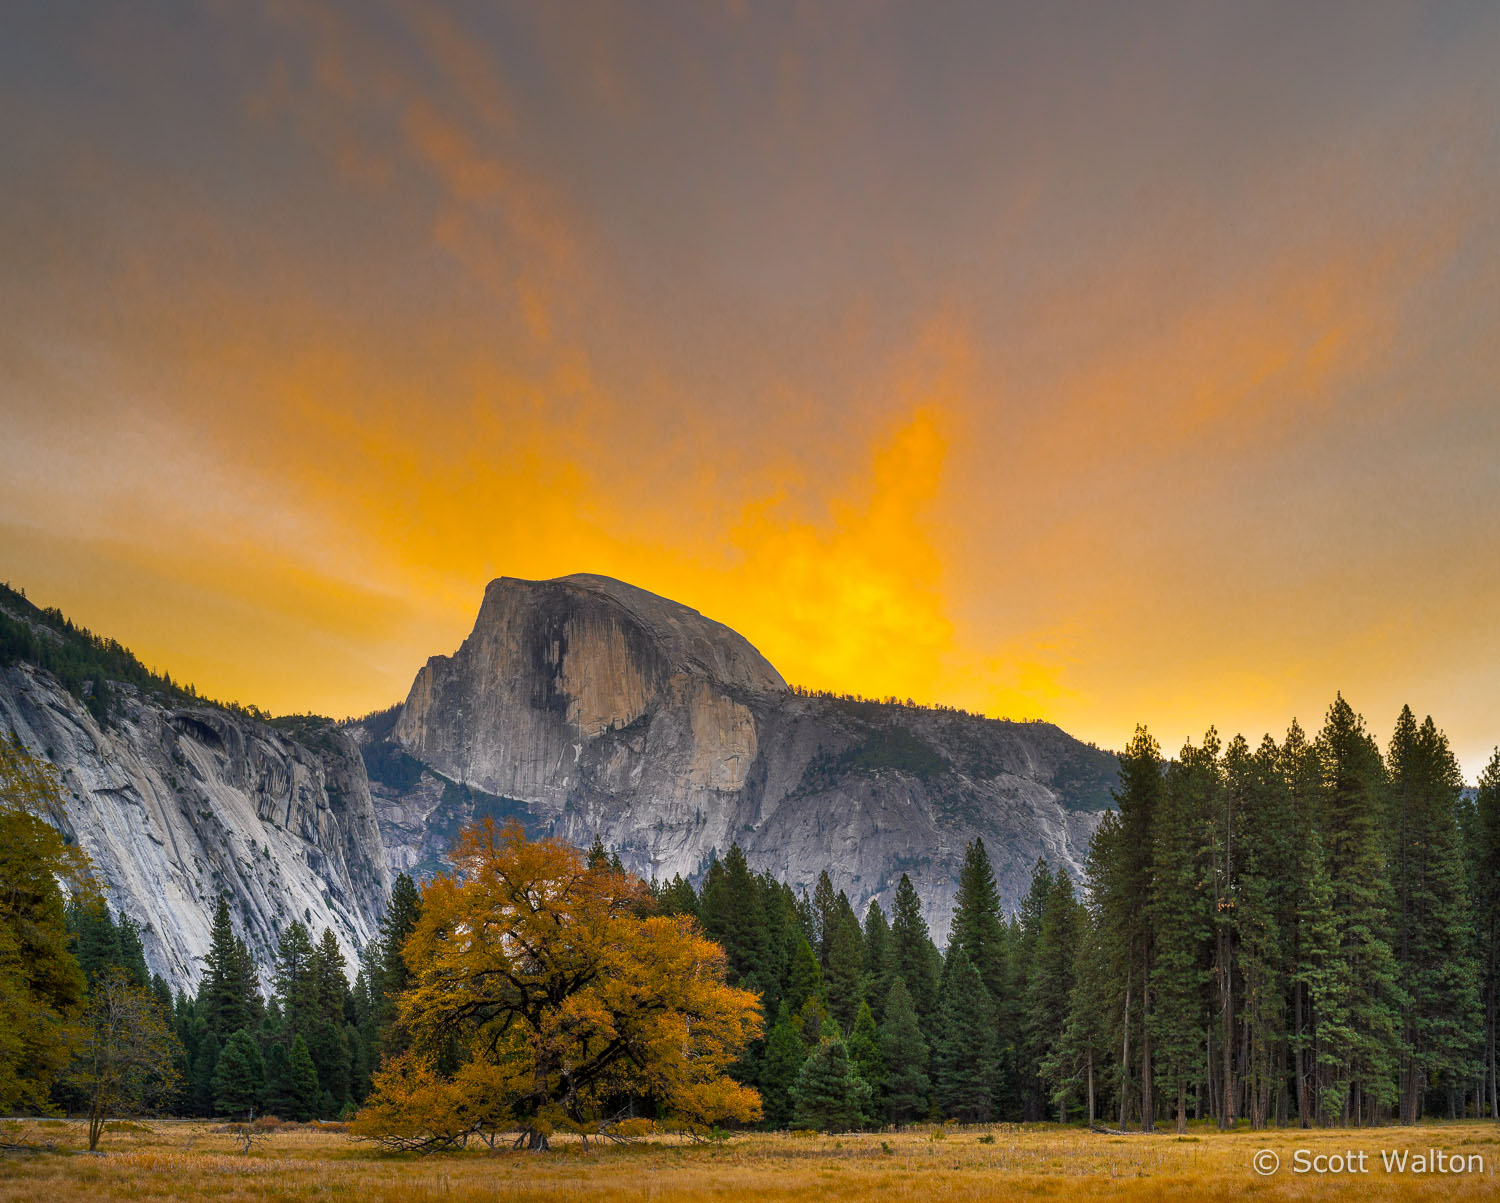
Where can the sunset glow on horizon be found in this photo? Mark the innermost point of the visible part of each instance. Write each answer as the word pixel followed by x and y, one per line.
pixel 1106 365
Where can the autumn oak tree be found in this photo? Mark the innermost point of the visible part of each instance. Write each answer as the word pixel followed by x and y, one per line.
pixel 543 996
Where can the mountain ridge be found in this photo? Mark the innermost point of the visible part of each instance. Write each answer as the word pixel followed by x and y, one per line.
pixel 582 706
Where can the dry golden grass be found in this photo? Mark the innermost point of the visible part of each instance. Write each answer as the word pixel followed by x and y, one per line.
pixel 188 1160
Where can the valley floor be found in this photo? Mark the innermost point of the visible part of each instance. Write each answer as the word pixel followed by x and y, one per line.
pixel 175 1160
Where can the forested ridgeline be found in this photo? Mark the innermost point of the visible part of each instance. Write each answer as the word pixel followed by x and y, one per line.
pixel 1298 932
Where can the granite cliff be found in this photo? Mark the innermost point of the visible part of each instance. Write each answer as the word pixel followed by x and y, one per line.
pixel 588 707
pixel 177 800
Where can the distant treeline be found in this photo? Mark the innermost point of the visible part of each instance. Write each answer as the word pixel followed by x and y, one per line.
pixel 84 663
pixel 869 707
pixel 1300 932
pixel 89 665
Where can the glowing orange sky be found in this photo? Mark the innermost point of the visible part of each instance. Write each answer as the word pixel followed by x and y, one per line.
pixel 1139 367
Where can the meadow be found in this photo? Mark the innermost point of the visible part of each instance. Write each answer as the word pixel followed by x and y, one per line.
pixel 176 1160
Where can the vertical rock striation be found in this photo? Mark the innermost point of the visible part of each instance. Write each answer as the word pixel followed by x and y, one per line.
pixel 175 805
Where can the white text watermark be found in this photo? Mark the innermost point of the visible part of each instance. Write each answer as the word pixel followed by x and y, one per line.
pixel 1362 1161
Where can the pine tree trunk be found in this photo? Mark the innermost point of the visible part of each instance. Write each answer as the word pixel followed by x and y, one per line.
pixel 1494 1081
pixel 1181 1107
pixel 1226 979
pixel 1209 1087
pixel 1125 1062
pixel 1299 1059
pixel 1148 1105
pixel 1091 1087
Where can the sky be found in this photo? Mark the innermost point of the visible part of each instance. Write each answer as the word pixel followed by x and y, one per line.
pixel 1106 364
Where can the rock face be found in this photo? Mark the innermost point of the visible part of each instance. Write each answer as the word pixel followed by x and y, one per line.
pixel 175 805
pixel 583 707
pixel 553 666
pixel 588 707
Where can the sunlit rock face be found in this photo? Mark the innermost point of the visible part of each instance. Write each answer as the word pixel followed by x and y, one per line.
pixel 587 707
pixel 177 805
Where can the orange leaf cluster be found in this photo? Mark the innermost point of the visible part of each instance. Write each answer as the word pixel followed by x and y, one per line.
pixel 564 998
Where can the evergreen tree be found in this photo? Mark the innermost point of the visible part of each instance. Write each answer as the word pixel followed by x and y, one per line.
pixel 389 975
pixel 228 993
pixel 829 1094
pixel 302 1081
pixel 964 1060
pixel 240 1077
pixel 96 940
pixel 1263 909
pixel 1308 930
pixel 782 936
pixel 804 978
pixel 1362 1061
pixel 912 953
pixel 1434 937
pixel 1127 886
pixel 1049 988
pixel 598 855
pixel 878 959
pixel 844 975
pixel 278 1097
pixel 329 1050
pixel 1078 1063
pixel 330 980
pixel 904 1055
pixel 824 911
pixel 779 1067
pixel 865 1055
pixel 1026 1036
pixel 295 982
pixel 678 898
pixel 810 1021
pixel 205 1065
pixel 978 927
pixel 1485 857
pixel 733 914
pixel 1317 976
pixel 401 915
pixel 1182 917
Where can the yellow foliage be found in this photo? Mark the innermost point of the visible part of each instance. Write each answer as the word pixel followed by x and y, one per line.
pixel 561 997
pixel 412 1106
pixel 41 986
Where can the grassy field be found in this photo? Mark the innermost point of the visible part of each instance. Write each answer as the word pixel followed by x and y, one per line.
pixel 189 1160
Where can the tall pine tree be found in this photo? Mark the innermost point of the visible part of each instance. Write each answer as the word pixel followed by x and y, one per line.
pixel 964 1060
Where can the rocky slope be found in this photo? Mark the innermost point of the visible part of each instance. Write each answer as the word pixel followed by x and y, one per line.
pixel 585 706
pixel 175 803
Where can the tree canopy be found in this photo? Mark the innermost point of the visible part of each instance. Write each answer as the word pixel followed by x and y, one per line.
pixel 563 1004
